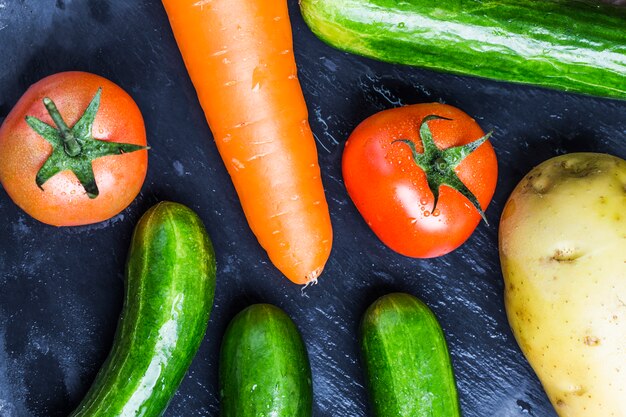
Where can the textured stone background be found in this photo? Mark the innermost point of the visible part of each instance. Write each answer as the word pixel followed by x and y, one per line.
pixel 61 289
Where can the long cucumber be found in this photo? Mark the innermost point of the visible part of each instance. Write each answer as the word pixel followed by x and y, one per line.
pixel 569 45
pixel 170 282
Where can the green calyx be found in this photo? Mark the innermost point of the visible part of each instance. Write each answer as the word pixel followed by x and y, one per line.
pixel 75 148
pixel 439 165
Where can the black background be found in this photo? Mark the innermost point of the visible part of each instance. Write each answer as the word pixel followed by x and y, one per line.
pixel 61 288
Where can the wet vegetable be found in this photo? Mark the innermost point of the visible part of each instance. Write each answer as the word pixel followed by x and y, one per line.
pixel 407 361
pixel 264 367
pixel 563 255
pixel 72 150
pixel 170 282
pixel 569 45
pixel 421 176
pixel 239 55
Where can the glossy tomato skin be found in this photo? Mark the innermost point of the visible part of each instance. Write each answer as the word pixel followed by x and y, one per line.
pixel 390 190
pixel 63 201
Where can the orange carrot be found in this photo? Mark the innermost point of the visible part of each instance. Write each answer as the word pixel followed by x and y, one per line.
pixel 239 55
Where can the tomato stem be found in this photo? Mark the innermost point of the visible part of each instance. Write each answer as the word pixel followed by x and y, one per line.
pixel 439 164
pixel 74 149
pixel 70 144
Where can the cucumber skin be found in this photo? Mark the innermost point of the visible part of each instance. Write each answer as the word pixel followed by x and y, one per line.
pixel 406 360
pixel 264 366
pixel 170 283
pixel 568 45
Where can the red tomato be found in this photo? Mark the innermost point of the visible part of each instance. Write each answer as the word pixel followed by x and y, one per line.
pixel 384 169
pixel 83 166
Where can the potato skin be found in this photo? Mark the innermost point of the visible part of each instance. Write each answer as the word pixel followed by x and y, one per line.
pixel 563 256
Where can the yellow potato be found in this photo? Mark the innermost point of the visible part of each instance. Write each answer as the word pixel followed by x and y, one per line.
pixel 563 254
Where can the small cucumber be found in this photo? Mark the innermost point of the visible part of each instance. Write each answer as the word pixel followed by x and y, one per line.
pixel 264 367
pixel 407 361
pixel 170 282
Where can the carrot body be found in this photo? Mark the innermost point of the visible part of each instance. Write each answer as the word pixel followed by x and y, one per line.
pixel 239 55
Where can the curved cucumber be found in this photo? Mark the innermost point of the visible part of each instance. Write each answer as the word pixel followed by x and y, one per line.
pixel 264 367
pixel 407 361
pixel 170 282
pixel 569 45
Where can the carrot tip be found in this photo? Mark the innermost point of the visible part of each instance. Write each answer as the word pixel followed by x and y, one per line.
pixel 314 275
pixel 311 279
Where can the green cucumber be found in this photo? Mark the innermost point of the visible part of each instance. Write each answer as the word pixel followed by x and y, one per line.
pixel 170 282
pixel 264 367
pixel 406 360
pixel 568 45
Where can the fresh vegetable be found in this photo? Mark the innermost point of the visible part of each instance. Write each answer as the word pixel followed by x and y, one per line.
pixel 170 282
pixel 264 367
pixel 239 55
pixel 76 175
pixel 569 45
pixel 421 176
pixel 563 255
pixel 407 361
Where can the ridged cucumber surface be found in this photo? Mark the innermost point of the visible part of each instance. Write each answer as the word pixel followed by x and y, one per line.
pixel 170 282
pixel 569 45
pixel 264 367
pixel 406 360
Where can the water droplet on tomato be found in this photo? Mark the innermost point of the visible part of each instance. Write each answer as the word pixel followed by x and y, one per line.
pixel 423 202
pixel 436 212
pixel 426 213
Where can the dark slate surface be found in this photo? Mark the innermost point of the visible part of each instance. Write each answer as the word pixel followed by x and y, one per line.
pixel 61 289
